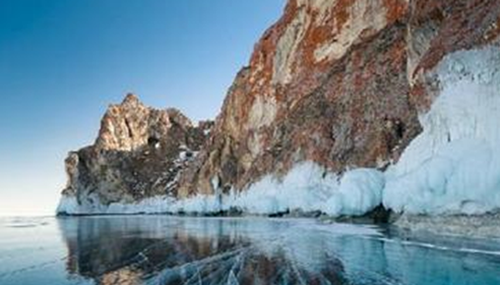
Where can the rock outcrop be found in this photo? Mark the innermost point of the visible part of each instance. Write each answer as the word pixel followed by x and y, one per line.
pixel 327 83
pixel 138 154
pixel 338 85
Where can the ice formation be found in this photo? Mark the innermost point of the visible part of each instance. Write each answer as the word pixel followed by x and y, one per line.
pixel 453 166
pixel 304 187
pixel 307 187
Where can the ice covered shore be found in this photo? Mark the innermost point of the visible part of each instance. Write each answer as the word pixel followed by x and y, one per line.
pixel 452 167
pixel 307 187
pixel 478 226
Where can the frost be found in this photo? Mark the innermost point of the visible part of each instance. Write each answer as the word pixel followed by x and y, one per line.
pixel 308 187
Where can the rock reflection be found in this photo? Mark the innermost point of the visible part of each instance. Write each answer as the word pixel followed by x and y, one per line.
pixel 160 250
pixel 167 250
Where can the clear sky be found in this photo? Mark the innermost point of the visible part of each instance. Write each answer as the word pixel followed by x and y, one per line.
pixel 62 62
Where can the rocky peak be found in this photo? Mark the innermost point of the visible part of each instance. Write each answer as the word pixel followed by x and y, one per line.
pixel 131 124
pixel 131 100
pixel 138 153
pixel 177 117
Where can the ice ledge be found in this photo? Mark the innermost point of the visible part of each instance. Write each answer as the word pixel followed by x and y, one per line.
pixel 453 166
pixel 307 188
pixel 473 226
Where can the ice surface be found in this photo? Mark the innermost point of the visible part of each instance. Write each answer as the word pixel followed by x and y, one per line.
pixel 170 250
pixel 481 226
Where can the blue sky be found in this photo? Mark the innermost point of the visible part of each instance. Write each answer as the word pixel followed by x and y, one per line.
pixel 63 62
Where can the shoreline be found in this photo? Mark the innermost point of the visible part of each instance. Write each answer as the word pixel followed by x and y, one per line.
pixel 484 226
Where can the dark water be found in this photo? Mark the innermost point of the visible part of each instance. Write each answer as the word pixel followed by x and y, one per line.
pixel 167 250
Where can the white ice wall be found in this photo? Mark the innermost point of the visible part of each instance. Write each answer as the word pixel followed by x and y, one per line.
pixel 454 165
pixel 307 187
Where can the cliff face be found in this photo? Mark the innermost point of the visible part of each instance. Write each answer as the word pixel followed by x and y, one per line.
pixel 327 83
pixel 138 154
pixel 338 85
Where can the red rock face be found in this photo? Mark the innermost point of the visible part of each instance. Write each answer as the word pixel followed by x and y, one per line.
pixel 337 82
pixel 438 28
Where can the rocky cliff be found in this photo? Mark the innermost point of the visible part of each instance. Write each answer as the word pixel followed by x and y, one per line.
pixel 138 154
pixel 346 105
pixel 327 83
pixel 342 84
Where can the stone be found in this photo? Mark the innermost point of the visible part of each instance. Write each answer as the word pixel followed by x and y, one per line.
pixel 138 154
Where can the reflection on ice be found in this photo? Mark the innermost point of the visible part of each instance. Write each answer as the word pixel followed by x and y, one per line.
pixel 166 250
pixel 190 251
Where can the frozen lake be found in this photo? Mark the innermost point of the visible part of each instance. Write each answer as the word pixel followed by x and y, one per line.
pixel 169 250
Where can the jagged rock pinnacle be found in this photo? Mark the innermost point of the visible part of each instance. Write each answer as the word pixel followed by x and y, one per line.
pixel 131 99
